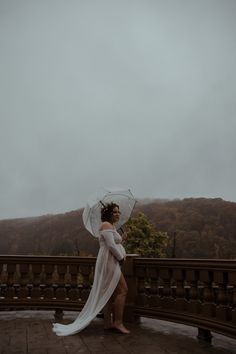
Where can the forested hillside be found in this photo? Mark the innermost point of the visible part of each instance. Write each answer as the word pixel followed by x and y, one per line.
pixel 203 228
pixel 48 235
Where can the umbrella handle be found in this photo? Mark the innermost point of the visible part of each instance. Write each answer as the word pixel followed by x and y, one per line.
pixel 102 203
pixel 122 230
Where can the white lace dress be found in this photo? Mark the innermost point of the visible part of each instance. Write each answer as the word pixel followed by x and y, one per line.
pixel 106 277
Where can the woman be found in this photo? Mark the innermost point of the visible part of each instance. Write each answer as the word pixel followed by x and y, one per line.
pixel 108 280
pixel 112 240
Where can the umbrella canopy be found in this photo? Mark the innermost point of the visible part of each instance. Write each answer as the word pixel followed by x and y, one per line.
pixel 92 211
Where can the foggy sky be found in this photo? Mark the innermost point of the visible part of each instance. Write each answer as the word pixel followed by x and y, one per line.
pixel 134 94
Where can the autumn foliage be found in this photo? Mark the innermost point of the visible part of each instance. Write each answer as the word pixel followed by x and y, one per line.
pixel 202 228
pixel 144 239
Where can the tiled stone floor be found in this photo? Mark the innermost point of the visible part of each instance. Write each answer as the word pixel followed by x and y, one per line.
pixel 29 332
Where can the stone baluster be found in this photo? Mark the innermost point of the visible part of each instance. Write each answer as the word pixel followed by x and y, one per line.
pixel 3 280
pixel 208 307
pixel 73 292
pixel 166 300
pixel 180 300
pixel 42 277
pixel 58 285
pixel 67 281
pixel 36 281
pixel 55 281
pixel 194 303
pixel 141 275
pixel 222 300
pixel 12 281
pixel 85 271
pixel 154 298
pixel 61 290
pixel 48 291
pixel 24 290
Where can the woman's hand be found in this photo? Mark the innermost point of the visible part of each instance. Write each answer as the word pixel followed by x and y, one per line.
pixel 124 236
pixel 121 261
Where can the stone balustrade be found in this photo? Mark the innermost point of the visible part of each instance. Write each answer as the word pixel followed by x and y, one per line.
pixel 45 282
pixel 196 292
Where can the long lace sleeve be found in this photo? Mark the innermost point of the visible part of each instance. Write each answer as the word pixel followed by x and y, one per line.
pixel 112 246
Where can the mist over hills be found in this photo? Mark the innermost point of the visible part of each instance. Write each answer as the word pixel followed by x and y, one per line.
pixel 203 227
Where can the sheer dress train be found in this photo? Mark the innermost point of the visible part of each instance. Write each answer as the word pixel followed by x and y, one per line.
pixel 106 277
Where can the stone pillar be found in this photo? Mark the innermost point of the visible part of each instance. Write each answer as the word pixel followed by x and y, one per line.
pixel 204 335
pixel 129 273
pixel 58 315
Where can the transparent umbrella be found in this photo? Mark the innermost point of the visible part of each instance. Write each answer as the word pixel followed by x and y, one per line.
pixel 92 211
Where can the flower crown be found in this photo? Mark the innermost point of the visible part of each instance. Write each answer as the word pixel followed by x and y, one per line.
pixel 108 206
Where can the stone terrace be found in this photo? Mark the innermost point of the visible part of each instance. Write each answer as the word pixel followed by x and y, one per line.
pixel 30 332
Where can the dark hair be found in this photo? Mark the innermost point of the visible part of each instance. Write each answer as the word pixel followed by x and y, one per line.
pixel 107 210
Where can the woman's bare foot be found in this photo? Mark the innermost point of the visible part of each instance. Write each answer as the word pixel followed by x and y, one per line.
pixel 121 328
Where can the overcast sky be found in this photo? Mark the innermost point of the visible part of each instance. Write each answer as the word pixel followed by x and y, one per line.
pixel 135 94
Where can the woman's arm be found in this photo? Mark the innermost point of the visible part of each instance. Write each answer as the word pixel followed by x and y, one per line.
pixel 108 236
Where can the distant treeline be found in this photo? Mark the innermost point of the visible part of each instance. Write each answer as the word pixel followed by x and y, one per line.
pixel 202 228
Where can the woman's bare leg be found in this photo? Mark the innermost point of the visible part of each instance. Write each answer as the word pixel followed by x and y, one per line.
pixel 119 304
pixel 108 320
